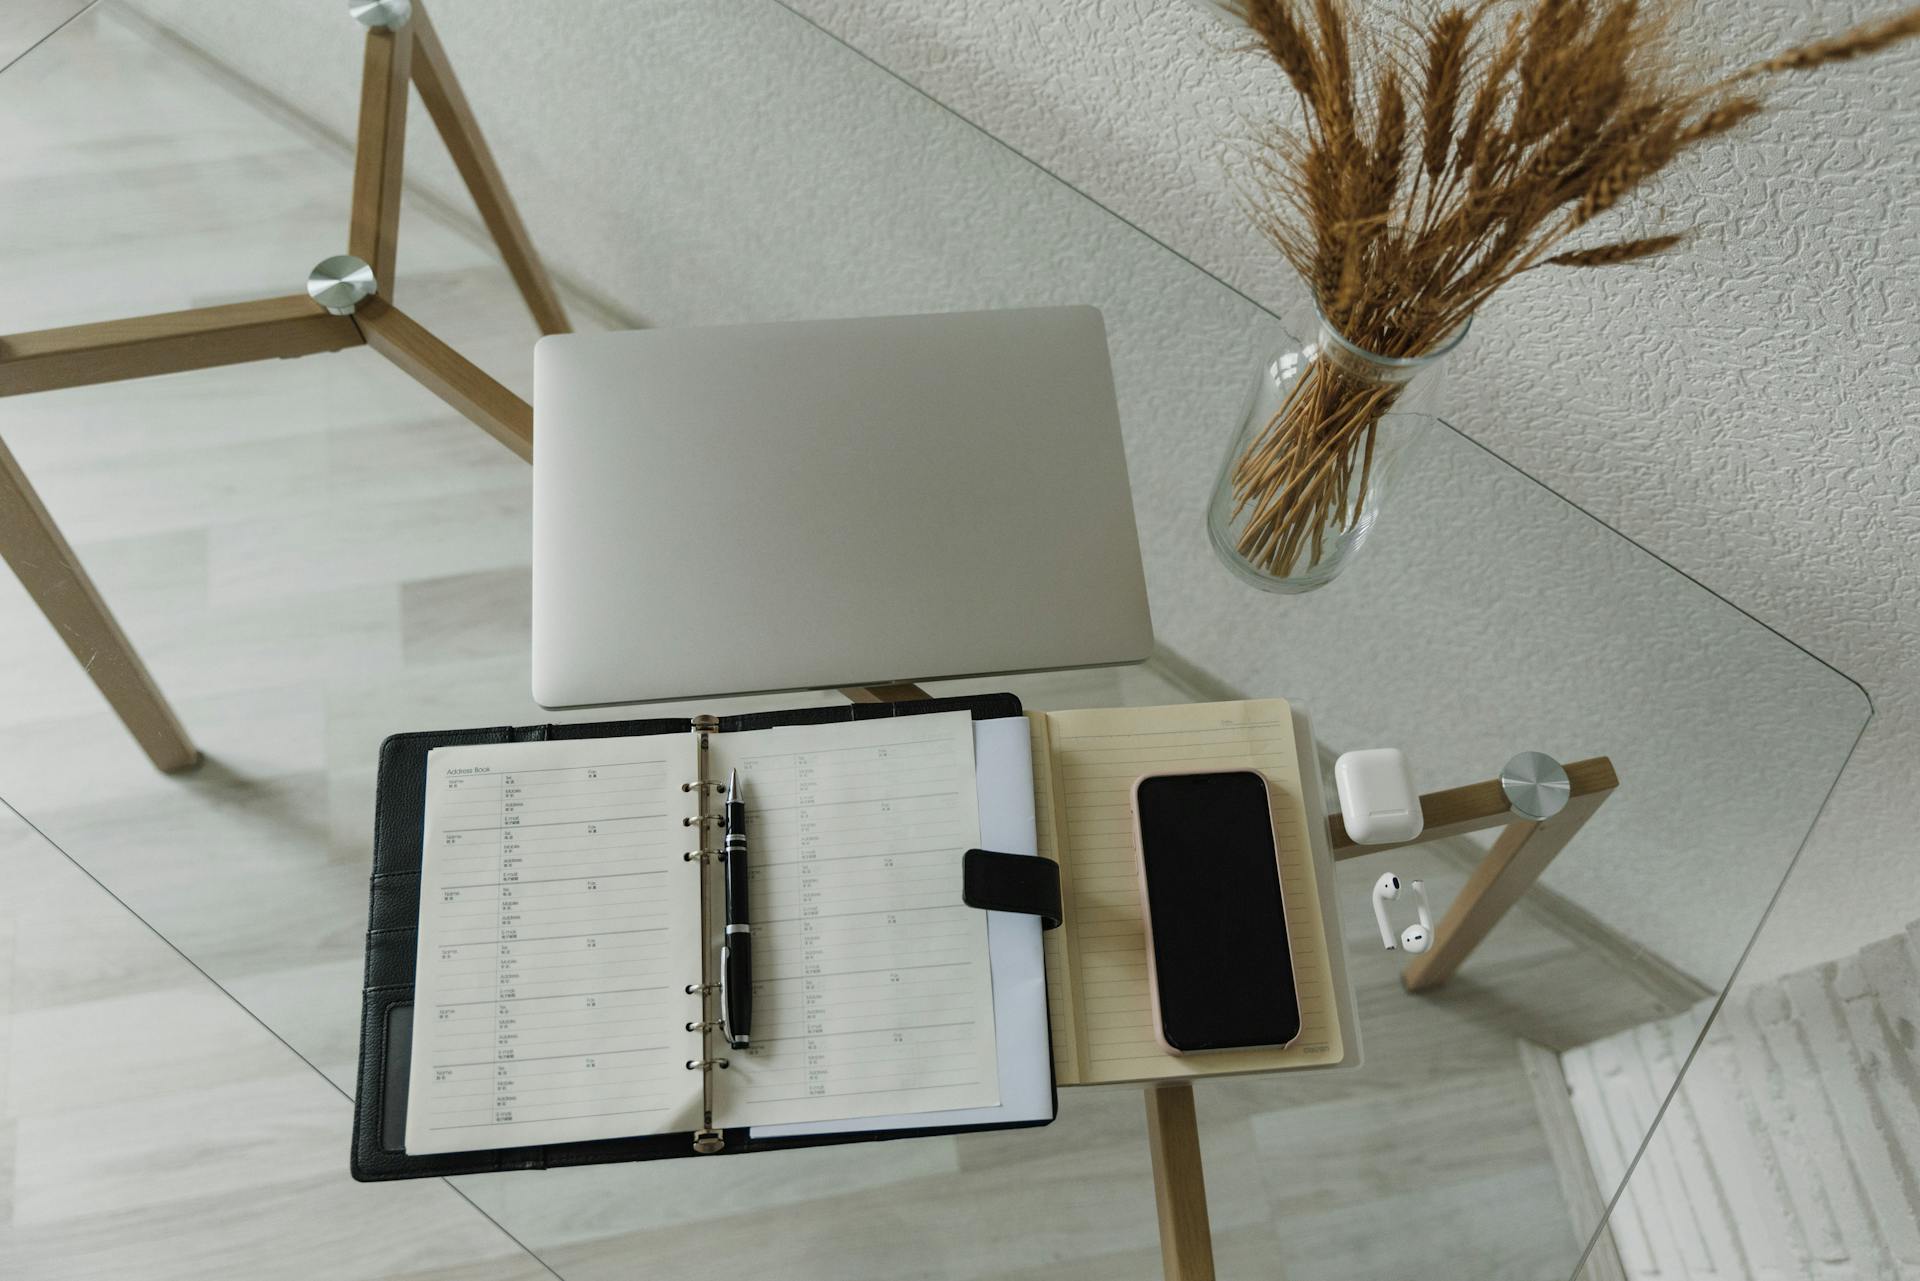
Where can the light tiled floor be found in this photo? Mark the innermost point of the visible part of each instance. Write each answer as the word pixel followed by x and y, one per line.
pixel 313 554
pixel 150 1127
pixel 1792 1151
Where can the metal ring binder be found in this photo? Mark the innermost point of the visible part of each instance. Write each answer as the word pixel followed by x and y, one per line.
pixel 706 1139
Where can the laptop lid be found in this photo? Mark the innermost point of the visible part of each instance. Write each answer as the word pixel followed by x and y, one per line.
pixel 829 503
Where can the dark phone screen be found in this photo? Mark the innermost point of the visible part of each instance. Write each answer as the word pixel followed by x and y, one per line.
pixel 1220 953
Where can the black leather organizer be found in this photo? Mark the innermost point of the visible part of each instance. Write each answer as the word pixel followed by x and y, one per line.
pixel 998 882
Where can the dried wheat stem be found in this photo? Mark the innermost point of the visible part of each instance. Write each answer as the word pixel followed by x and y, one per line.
pixel 1618 252
pixel 1856 43
pixel 1434 168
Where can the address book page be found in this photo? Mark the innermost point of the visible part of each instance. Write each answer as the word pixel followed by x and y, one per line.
pixel 559 927
pixel 873 989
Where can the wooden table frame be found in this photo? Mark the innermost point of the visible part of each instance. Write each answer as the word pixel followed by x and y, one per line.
pixel 1522 851
pixel 274 328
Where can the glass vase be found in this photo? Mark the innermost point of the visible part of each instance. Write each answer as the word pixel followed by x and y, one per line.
pixel 1319 448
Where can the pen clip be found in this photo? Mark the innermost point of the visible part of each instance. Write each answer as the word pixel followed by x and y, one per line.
pixel 722 1020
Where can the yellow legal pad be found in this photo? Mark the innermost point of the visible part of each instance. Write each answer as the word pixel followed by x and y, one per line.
pixel 1084 766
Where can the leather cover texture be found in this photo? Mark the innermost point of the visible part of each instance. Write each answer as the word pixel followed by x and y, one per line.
pixel 997 882
pixel 393 913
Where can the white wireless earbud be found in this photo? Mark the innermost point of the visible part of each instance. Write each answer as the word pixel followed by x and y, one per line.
pixel 1387 887
pixel 1415 939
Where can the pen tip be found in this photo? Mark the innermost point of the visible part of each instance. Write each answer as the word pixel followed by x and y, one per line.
pixel 733 784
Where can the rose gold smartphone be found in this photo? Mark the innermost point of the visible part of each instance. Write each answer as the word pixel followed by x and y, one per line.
pixel 1219 963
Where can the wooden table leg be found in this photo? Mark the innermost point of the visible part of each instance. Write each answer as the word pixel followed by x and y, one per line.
pixel 885 693
pixel 54 577
pixel 1179 1182
pixel 1509 869
pixel 379 154
pixel 140 346
pixel 447 374
pixel 454 118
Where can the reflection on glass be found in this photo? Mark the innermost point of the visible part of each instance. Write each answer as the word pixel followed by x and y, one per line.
pixel 313 554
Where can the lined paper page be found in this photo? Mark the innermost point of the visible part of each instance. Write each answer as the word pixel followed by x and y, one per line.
pixel 1097 756
pixel 873 990
pixel 559 926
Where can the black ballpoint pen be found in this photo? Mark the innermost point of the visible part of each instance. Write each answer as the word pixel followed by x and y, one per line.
pixel 736 949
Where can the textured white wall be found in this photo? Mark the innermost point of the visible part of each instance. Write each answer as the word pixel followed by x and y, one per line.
pixel 1746 410
pixel 1743 410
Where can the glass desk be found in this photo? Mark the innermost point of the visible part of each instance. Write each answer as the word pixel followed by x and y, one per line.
pixel 313 554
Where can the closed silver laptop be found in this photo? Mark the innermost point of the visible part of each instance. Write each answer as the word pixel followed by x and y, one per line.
pixel 829 503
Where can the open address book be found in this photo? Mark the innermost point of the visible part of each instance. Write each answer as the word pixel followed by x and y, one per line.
pixel 541 946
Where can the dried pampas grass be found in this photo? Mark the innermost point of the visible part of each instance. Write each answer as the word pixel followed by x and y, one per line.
pixel 1438 161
